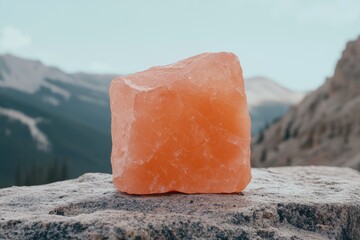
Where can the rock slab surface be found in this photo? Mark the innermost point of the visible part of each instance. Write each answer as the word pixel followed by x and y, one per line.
pixel 279 203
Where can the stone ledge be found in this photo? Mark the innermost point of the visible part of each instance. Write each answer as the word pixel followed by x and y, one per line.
pixel 280 203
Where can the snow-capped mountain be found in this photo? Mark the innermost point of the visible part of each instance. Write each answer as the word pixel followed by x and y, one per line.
pixel 47 115
pixel 267 101
pixel 262 90
pixel 51 89
pixel 30 76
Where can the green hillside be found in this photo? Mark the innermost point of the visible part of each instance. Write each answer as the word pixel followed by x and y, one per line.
pixel 84 148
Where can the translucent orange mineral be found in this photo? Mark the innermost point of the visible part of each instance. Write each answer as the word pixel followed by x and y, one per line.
pixel 183 127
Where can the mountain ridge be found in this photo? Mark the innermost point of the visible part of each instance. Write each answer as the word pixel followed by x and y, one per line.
pixel 322 129
pixel 264 90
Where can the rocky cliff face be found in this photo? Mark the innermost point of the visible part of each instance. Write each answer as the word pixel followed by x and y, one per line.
pixel 324 129
pixel 280 203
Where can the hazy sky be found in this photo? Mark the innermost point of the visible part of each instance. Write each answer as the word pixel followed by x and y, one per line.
pixel 295 43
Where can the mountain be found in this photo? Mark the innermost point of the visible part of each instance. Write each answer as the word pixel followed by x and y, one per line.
pixel 80 97
pixel 324 129
pixel 268 101
pixel 50 117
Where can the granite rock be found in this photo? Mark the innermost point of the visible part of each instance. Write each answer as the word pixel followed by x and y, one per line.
pixel 279 203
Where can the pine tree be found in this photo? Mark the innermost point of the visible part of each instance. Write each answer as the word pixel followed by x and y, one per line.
pixel 35 174
pixel 64 171
pixel 52 172
pixel 18 181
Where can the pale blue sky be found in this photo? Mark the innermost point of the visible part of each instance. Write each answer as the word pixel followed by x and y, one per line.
pixel 295 43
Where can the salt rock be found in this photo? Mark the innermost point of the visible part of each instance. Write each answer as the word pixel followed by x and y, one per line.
pixel 183 127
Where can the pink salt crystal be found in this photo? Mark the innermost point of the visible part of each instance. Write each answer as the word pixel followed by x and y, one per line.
pixel 182 127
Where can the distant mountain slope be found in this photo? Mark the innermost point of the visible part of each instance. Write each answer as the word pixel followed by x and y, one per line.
pixel 30 75
pixel 324 129
pixel 262 90
pixel 83 148
pixel 48 115
pixel 268 101
pixel 80 97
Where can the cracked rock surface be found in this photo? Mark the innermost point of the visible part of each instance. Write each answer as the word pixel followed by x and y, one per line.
pixel 279 203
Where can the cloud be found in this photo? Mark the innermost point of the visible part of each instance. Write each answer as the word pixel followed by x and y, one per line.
pixel 12 39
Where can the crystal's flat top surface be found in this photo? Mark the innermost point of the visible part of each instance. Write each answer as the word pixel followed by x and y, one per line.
pixel 200 69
